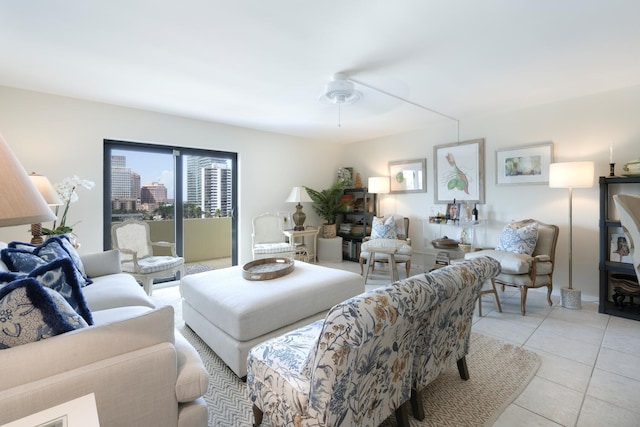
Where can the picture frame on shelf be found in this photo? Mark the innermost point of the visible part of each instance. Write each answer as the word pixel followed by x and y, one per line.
pixel 459 171
pixel 408 176
pixel 524 165
pixel 620 249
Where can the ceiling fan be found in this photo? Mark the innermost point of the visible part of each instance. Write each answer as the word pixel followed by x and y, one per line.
pixel 341 90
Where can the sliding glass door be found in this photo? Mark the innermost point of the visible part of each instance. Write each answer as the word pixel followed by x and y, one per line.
pixel 188 196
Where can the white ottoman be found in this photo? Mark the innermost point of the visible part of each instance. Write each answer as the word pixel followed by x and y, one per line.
pixel 232 314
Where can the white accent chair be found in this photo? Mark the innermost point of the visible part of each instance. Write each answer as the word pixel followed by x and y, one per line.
pixel 268 239
pixel 133 239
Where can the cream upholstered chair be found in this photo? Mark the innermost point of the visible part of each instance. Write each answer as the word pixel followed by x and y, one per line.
pixel 629 212
pixel 389 243
pixel 526 253
pixel 133 239
pixel 268 240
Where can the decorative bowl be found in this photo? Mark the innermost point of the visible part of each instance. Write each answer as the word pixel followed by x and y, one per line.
pixel 631 168
pixel 465 247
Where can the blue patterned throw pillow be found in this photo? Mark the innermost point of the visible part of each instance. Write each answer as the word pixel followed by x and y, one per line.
pixel 519 238
pixel 60 276
pixel 24 257
pixel 30 312
pixel 382 228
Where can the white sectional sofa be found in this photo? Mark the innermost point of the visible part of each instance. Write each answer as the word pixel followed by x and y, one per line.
pixel 142 372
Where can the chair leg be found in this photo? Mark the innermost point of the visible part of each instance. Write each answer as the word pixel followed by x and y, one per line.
pixel 523 299
pixel 462 368
pixel 361 269
pixel 147 283
pixel 407 266
pixel 257 416
pixel 480 305
pixel 495 293
pixel 416 404
pixel 402 415
pixel 550 287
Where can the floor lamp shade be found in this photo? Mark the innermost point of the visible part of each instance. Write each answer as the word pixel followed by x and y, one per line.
pixel 299 195
pixel 571 175
pixel 378 185
pixel 20 201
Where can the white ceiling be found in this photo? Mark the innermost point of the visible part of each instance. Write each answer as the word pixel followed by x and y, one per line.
pixel 263 63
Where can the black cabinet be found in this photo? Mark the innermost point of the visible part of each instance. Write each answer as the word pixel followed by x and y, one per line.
pixel 355 224
pixel 610 229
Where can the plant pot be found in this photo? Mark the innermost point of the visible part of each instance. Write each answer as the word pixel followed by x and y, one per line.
pixel 328 231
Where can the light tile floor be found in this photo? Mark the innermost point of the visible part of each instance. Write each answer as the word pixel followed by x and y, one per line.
pixel 590 370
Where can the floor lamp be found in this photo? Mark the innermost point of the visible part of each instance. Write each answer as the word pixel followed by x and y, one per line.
pixel 378 185
pixel 20 201
pixel 571 175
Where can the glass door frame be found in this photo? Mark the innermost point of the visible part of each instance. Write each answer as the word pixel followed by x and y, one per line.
pixel 178 167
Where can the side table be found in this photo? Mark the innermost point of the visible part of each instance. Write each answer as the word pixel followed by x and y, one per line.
pixel 391 252
pixel 311 252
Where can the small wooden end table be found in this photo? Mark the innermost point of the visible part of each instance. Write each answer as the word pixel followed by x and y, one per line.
pixel 311 252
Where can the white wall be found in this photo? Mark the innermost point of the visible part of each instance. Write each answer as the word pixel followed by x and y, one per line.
pixel 59 137
pixel 581 129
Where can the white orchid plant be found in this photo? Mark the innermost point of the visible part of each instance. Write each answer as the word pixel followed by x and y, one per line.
pixel 67 192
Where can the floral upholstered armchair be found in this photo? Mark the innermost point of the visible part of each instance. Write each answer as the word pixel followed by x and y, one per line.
pixel 352 369
pixel 444 333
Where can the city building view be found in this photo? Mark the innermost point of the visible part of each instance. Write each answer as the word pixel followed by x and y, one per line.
pixel 207 187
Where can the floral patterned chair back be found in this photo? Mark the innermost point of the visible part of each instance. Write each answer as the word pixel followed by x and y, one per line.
pixel 352 369
pixel 362 365
pixel 445 329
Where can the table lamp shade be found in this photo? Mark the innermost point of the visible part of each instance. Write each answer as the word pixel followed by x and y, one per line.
pixel 297 195
pixel 378 185
pixel 46 189
pixel 571 174
pixel 20 201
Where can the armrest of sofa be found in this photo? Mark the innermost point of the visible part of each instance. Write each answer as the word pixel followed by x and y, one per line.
pixel 102 263
pixel 56 355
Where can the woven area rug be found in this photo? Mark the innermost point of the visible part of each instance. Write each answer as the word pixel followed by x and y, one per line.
pixel 499 372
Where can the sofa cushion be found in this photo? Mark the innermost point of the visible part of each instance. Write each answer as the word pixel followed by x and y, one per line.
pixel 30 312
pixel 25 257
pixel 193 378
pixel 115 290
pixel 511 263
pixel 102 263
pixel 519 238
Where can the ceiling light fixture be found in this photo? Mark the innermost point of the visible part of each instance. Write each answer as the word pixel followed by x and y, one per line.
pixel 341 90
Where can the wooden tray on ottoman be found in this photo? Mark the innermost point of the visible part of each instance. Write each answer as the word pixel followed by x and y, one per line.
pixel 267 268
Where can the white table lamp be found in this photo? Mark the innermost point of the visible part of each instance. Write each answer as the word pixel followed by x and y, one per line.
pixel 299 195
pixel 378 185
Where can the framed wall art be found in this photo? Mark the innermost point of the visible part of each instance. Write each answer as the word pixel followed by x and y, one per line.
pixel 459 171
pixel 524 165
pixel 408 176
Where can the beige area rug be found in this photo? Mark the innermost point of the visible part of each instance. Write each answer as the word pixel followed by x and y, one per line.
pixel 499 372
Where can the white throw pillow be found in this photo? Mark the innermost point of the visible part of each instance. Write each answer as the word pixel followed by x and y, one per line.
pixel 384 228
pixel 519 238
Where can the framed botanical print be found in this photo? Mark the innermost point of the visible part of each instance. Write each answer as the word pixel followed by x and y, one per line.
pixel 408 176
pixel 459 171
pixel 524 165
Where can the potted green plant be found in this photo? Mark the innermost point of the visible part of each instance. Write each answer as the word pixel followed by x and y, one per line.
pixel 327 205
